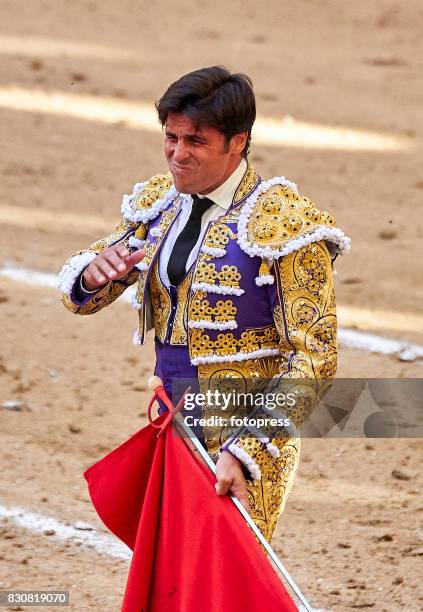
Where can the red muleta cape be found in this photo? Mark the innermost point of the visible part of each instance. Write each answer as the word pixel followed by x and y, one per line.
pixel 192 550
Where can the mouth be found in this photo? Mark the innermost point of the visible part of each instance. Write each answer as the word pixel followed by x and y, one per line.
pixel 180 170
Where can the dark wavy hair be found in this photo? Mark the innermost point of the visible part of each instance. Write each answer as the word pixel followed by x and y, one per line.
pixel 214 97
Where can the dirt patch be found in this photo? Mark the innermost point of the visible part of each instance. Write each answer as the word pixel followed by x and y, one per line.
pixel 351 532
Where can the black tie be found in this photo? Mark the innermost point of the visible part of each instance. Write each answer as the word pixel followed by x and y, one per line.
pixel 186 240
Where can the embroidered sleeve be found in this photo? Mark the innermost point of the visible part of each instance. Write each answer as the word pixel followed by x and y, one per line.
pixel 145 202
pixel 127 233
pixel 305 317
pixel 303 304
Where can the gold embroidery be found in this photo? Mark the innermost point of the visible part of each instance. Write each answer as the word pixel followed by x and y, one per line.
pixel 280 214
pixel 154 190
pixel 102 298
pixel 228 276
pixel 226 344
pixel 168 215
pixel 160 302
pixel 218 236
pixel 268 496
pixel 179 329
pixel 206 272
pixel 200 309
pixel 162 305
pixel 244 376
pixel 149 247
pixel 247 185
pixel 305 288
pixel 117 234
pixel 140 293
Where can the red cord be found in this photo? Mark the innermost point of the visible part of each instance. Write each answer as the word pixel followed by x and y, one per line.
pixel 160 393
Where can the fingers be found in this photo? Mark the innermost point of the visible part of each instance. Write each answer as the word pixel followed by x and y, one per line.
pixel 111 264
pixel 236 485
pixel 239 490
pixel 107 269
pixel 134 258
pixel 119 260
pixel 116 260
pixel 93 277
pixel 120 250
pixel 223 485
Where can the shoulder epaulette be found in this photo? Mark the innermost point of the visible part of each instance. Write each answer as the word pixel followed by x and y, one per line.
pixel 275 221
pixel 148 199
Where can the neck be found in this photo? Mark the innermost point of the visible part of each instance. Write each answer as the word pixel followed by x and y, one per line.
pixel 232 166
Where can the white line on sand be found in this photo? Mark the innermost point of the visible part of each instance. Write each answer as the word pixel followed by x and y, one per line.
pixel 85 534
pixel 24 216
pixel 29 277
pixel 379 344
pixel 350 338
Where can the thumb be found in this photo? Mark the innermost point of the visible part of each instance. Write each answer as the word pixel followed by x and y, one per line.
pixel 134 258
pixel 222 487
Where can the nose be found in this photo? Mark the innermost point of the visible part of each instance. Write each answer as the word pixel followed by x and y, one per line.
pixel 180 152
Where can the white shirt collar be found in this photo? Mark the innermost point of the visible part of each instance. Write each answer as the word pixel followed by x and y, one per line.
pixel 224 194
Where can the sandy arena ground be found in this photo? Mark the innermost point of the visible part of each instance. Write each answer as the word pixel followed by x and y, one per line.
pixel 351 534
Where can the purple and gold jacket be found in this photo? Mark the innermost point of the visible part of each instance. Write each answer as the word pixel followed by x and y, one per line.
pixel 239 317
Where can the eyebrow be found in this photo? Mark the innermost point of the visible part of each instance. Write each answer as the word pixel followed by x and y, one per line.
pixel 200 136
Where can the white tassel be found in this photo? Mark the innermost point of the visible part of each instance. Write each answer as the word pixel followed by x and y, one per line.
pixel 135 304
pixel 241 356
pixel 137 338
pixel 220 325
pixel 135 242
pixel 141 265
pixel 221 289
pixel 156 231
pixel 215 251
pixel 273 450
pixel 264 279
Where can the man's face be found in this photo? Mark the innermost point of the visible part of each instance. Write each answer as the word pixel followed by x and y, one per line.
pixel 199 158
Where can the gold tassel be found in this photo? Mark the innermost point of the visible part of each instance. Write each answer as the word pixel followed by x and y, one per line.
pixel 264 268
pixel 141 232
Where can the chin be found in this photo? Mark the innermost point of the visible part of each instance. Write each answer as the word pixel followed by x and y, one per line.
pixel 183 186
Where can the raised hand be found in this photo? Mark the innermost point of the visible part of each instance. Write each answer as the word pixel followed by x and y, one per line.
pixel 111 264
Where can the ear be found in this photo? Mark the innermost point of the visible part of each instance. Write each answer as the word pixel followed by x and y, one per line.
pixel 237 143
